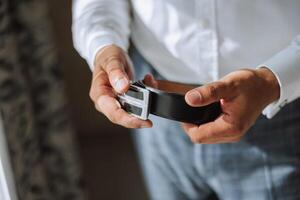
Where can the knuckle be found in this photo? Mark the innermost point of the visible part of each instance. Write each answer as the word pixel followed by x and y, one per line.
pixel 113 62
pixel 132 123
pixel 115 117
pixel 112 118
pixel 95 93
pixel 195 139
pixel 213 91
pixel 232 86
pixel 98 108
pixel 198 137
pixel 114 70
pixel 238 129
pixel 92 95
pixel 99 77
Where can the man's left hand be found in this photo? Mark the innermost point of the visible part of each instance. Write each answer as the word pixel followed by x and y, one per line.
pixel 243 95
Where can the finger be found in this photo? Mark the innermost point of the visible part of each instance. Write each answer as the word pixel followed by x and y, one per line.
pixel 126 120
pixel 223 140
pixel 208 94
pixel 211 131
pixel 100 85
pixel 118 78
pixel 111 108
pixel 150 81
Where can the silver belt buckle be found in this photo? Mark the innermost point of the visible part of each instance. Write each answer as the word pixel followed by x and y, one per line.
pixel 136 101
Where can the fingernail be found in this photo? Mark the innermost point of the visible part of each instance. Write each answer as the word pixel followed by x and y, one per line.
pixel 121 83
pixel 194 97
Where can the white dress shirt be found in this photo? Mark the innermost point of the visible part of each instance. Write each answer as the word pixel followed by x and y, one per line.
pixel 198 41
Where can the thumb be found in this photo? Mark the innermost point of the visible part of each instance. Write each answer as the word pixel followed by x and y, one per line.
pixel 112 59
pixel 208 94
pixel 117 75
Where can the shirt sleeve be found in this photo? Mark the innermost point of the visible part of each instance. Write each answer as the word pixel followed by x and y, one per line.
pixel 286 67
pixel 98 23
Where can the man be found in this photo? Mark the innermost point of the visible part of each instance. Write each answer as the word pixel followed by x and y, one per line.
pixel 231 47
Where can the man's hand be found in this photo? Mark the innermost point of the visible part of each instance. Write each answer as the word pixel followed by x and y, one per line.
pixel 112 75
pixel 243 95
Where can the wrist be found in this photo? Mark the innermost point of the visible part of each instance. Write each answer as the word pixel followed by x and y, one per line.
pixel 271 84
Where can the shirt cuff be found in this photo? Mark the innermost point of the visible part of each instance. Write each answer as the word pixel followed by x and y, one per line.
pixel 284 66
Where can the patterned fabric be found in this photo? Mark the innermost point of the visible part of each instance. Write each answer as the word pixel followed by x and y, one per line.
pixel 33 110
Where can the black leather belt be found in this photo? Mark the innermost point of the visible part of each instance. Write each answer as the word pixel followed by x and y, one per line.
pixel 167 101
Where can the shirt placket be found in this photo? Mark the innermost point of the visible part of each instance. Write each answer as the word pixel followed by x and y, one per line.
pixel 207 47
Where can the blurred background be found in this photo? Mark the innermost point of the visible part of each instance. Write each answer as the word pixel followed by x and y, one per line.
pixel 108 159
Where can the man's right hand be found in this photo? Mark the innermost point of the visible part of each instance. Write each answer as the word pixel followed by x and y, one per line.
pixel 112 75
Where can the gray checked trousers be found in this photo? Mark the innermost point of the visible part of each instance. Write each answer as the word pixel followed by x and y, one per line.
pixel 264 165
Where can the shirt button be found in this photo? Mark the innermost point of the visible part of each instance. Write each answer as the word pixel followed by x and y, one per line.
pixel 203 23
